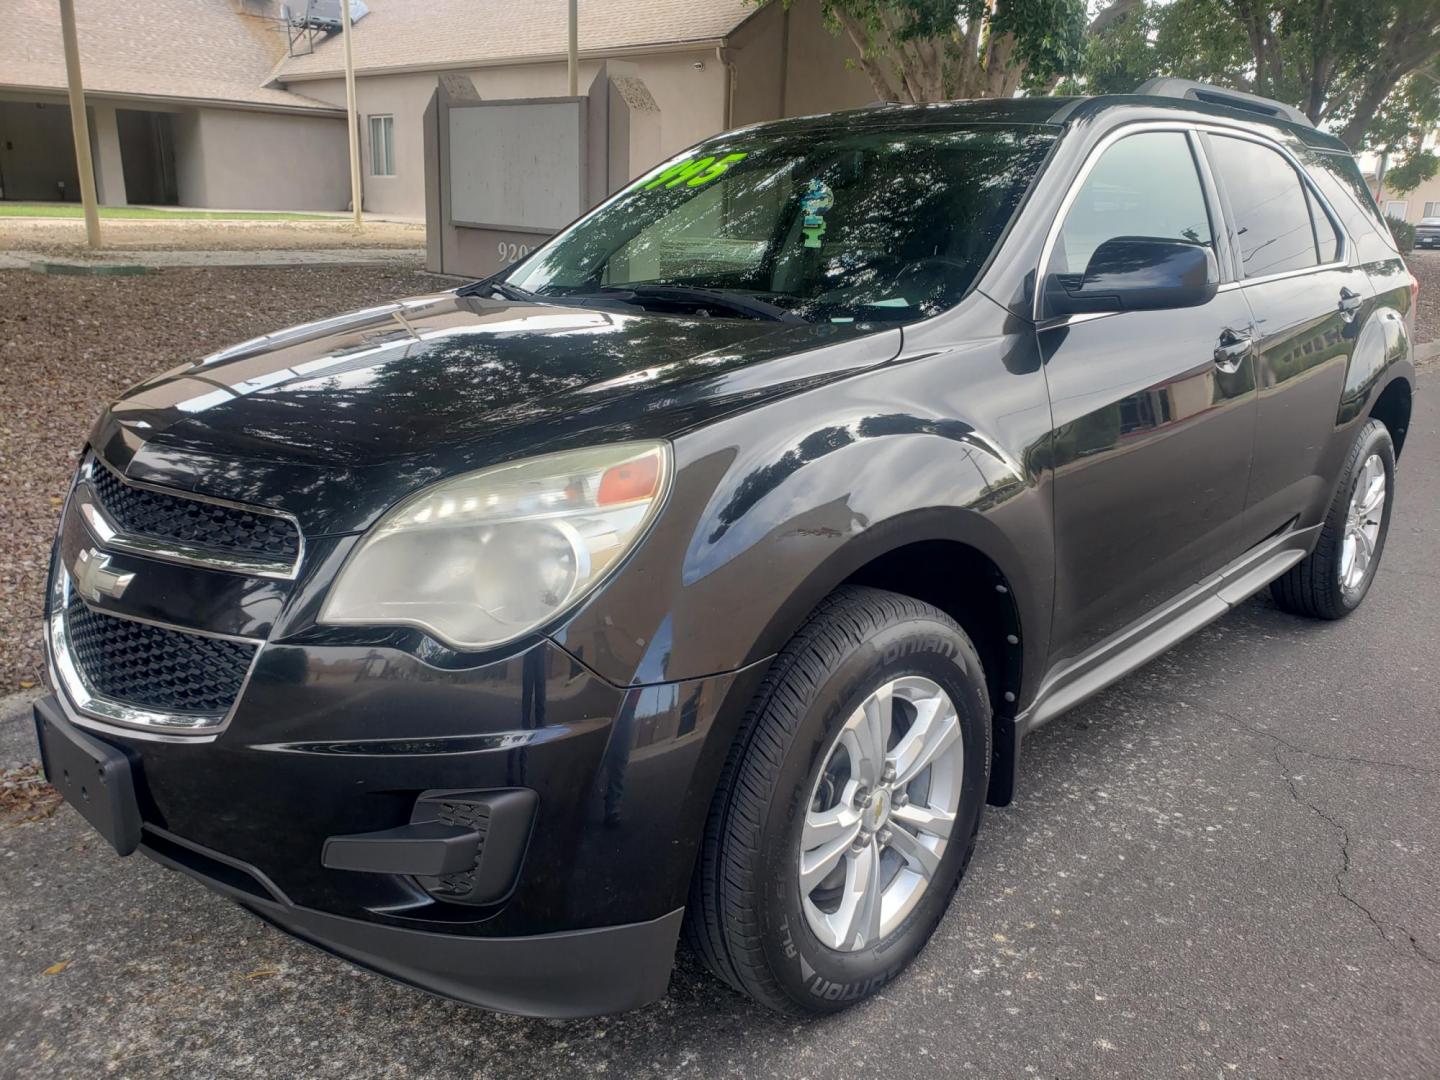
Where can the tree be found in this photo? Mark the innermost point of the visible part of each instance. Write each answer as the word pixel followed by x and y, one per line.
pixel 932 50
pixel 1399 129
pixel 1337 60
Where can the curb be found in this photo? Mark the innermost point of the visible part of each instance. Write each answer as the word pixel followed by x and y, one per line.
pixel 137 261
pixel 79 269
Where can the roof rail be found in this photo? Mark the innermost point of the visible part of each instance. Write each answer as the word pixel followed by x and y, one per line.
pixel 1218 95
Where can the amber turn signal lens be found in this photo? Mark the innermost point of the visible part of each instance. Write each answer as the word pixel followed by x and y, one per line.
pixel 630 481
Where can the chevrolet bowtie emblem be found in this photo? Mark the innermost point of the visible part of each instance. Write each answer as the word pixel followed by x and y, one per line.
pixel 93 577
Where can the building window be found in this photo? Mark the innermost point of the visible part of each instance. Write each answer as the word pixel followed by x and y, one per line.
pixel 1396 209
pixel 1432 209
pixel 382 146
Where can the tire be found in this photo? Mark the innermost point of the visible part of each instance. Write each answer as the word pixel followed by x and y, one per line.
pixel 746 919
pixel 1317 587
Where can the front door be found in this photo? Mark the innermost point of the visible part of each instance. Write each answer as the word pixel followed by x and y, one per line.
pixel 1153 412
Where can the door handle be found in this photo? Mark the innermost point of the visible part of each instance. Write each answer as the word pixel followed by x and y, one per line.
pixel 1349 303
pixel 1232 350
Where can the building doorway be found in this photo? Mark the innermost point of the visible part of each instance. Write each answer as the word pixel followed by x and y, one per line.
pixel 147 156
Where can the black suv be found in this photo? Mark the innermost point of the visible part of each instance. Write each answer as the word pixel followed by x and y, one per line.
pixel 708 567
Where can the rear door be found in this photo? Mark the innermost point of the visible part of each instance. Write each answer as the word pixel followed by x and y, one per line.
pixel 1153 411
pixel 1307 303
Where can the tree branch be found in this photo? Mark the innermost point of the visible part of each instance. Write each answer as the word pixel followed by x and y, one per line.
pixel 1107 16
pixel 860 37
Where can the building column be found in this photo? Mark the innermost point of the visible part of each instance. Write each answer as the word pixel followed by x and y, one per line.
pixel 109 169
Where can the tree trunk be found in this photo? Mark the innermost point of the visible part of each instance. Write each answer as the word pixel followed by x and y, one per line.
pixel 997 64
pixel 1377 89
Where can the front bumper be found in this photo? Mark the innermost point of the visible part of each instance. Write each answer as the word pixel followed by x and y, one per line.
pixel 334 741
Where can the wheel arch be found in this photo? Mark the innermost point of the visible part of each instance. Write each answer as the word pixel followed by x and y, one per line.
pixel 959 562
pixel 1392 408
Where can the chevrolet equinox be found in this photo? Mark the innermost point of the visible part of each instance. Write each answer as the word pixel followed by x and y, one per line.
pixel 703 572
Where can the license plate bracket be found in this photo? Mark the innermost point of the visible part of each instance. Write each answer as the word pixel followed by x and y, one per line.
pixel 93 777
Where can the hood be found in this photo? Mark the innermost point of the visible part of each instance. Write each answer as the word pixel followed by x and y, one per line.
pixel 421 388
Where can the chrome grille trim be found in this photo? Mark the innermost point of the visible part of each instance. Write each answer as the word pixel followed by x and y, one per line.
pixel 77 694
pixel 110 535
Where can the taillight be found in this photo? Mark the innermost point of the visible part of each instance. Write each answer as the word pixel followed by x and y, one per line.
pixel 1414 293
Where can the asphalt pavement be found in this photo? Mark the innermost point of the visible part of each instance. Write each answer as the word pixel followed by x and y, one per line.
pixel 1226 866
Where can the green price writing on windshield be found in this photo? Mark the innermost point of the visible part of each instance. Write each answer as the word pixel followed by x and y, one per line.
pixel 694 173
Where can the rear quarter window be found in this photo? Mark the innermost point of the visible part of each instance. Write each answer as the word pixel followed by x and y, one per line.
pixel 1339 180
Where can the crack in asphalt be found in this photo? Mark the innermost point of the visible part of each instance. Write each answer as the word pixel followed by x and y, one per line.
pixel 1296 748
pixel 1284 746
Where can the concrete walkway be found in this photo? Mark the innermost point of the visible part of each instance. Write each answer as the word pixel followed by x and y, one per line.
pixel 167 260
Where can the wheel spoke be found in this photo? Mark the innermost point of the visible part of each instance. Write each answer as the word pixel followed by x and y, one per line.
pixel 924 819
pixel 928 738
pixel 1374 498
pixel 826 837
pixel 858 916
pixel 868 734
pixel 921 859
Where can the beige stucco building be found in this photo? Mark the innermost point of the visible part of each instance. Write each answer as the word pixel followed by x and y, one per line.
pixel 205 102
pixel 182 109
pixel 1411 206
pixel 709 67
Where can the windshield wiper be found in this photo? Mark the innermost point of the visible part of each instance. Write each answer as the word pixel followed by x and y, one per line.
pixel 487 286
pixel 737 303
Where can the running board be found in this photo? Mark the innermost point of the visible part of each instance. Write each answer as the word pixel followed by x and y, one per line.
pixel 1142 641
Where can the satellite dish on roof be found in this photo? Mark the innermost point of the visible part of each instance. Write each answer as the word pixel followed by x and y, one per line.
pixel 318 19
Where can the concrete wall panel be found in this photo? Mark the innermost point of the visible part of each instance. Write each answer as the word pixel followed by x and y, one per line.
pixel 691 101
pixel 517 164
pixel 237 160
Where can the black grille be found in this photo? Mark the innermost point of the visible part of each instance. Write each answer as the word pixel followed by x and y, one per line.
pixel 192 521
pixel 155 668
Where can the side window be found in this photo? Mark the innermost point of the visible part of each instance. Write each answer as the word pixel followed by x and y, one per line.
pixel 1339 180
pixel 382 146
pixel 1270 207
pixel 1143 185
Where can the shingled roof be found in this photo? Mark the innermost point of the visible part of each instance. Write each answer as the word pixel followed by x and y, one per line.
pixel 218 51
pixel 400 35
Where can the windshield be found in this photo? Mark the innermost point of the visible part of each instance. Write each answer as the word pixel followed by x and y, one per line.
pixel 820 224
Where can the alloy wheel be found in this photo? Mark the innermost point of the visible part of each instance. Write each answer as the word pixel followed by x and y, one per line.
pixel 881 813
pixel 1362 524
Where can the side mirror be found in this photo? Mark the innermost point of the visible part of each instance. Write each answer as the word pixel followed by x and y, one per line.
pixel 1137 273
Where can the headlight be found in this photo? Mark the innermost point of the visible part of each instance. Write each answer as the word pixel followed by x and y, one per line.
pixel 487 557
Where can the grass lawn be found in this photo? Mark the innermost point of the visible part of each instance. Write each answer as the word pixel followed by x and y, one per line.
pixel 74 210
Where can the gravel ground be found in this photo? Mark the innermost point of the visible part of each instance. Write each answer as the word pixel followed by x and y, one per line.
pixel 67 235
pixel 69 344
pixel 1425 265
pixel 1224 866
